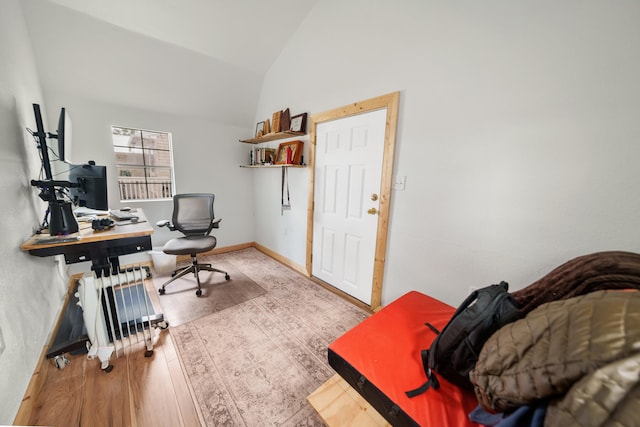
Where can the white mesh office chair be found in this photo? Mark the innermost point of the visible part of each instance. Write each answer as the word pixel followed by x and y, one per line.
pixel 192 216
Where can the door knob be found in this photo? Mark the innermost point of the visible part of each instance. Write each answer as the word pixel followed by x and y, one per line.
pixel 374 197
pixel 372 211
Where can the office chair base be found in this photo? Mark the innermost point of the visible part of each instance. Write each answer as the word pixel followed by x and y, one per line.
pixel 194 268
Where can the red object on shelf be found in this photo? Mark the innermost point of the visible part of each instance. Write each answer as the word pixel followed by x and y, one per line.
pixel 289 155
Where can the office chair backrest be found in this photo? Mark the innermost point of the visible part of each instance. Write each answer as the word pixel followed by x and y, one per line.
pixel 193 213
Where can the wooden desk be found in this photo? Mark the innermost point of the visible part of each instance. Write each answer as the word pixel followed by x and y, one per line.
pixel 102 248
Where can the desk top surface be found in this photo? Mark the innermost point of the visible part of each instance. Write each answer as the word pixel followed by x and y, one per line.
pixel 121 230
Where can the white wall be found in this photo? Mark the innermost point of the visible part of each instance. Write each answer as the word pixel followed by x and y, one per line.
pixel 31 289
pixel 518 131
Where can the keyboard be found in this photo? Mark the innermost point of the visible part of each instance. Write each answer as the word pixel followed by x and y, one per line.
pixel 122 215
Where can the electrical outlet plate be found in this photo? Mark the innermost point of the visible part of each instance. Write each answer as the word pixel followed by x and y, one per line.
pixel 399 182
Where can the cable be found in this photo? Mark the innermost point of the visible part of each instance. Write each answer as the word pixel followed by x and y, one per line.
pixel 45 221
pixel 51 150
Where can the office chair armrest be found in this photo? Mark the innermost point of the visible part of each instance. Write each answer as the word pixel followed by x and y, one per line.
pixel 215 222
pixel 163 223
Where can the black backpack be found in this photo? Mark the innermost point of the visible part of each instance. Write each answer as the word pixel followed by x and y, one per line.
pixel 455 350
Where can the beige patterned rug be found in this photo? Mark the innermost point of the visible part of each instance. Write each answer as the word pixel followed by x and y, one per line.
pixel 254 363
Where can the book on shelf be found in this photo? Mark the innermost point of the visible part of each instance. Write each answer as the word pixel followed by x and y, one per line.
pixel 275 122
pixel 262 156
pixel 285 120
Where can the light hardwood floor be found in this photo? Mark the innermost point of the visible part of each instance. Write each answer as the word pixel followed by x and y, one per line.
pixel 139 391
pixel 339 404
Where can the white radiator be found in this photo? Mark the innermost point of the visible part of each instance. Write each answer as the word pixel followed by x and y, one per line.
pixel 117 313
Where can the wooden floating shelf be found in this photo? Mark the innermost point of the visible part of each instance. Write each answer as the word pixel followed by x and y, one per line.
pixel 272 137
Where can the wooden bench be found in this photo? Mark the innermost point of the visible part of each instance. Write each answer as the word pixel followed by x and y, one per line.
pixel 338 404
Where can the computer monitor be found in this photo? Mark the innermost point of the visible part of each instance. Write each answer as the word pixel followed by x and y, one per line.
pixel 64 137
pixel 91 191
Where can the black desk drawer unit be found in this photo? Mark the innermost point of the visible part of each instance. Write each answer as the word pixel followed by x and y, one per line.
pixel 90 251
pixel 112 248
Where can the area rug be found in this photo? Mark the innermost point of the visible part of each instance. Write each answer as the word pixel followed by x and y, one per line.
pixel 255 363
pixel 180 303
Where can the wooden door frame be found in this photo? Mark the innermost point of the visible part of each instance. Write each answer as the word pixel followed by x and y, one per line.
pixel 390 102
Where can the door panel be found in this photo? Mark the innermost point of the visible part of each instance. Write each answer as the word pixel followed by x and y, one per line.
pixel 328 249
pixel 357 174
pixel 348 170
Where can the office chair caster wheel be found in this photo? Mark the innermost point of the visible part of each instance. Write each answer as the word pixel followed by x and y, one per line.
pixel 199 292
pixel 148 353
pixel 227 277
pixel 161 291
pixel 108 369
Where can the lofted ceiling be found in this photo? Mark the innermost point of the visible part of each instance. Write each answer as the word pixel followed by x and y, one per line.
pixel 244 33
pixel 190 57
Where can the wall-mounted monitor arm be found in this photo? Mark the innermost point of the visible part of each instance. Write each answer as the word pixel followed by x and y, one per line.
pixel 41 135
pixel 48 189
pixel 53 183
pixel 62 219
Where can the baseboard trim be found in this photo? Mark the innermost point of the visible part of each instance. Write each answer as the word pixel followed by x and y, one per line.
pixel 302 270
pixel 220 250
pixel 281 259
pixel 342 294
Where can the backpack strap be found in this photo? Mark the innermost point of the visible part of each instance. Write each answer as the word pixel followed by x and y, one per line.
pixel 432 380
pixel 433 328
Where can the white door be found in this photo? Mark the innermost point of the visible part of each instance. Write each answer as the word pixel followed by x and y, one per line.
pixel 348 171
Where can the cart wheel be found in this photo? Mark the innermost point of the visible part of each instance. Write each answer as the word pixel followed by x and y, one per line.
pixel 61 361
pixel 148 353
pixel 163 325
pixel 199 292
pixel 161 291
pixel 108 369
pixel 227 277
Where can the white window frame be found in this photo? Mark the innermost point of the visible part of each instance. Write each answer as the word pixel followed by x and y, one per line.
pixel 145 166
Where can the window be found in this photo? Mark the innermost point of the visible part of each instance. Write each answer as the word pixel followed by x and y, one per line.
pixel 144 163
